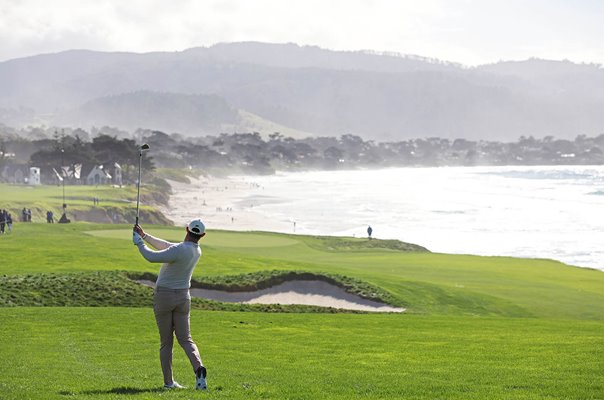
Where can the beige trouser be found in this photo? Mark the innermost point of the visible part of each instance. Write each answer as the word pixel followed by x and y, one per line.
pixel 172 308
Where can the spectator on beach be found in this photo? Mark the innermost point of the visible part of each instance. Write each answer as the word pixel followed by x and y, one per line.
pixel 9 223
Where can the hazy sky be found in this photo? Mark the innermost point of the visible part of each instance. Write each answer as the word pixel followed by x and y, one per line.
pixel 467 31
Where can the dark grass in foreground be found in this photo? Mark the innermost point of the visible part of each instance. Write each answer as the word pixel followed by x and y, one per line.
pixel 111 353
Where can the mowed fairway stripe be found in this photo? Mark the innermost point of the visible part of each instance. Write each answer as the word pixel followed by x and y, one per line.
pixel 102 353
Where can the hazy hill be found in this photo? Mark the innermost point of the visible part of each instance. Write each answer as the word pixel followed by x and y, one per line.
pixel 151 110
pixel 310 89
pixel 291 55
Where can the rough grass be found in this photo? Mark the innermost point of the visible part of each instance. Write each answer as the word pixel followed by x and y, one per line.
pixel 77 289
pixel 117 289
pixel 265 279
pixel 349 244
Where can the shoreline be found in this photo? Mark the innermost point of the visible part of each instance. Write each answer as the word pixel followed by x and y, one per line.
pixel 240 203
pixel 223 203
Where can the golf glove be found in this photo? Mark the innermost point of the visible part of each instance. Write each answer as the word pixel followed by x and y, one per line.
pixel 137 239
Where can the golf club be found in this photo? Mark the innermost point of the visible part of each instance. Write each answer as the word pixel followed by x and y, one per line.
pixel 144 146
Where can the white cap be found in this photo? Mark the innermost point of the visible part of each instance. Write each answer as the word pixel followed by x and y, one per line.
pixel 196 227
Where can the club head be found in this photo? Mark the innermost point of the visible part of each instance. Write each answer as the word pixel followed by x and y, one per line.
pixel 144 146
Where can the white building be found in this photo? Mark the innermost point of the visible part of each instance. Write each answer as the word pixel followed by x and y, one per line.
pixel 34 176
pixel 98 176
pixel 117 174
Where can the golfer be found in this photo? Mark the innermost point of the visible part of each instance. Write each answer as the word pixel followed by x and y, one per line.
pixel 171 300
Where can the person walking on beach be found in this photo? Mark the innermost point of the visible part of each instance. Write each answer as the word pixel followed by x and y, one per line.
pixel 172 300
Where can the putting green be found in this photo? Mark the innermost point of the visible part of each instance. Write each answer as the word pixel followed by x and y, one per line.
pixel 213 238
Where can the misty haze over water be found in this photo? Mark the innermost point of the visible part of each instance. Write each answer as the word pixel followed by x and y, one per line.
pixel 535 212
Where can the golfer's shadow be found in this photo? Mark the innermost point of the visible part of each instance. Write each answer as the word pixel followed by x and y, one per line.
pixel 116 390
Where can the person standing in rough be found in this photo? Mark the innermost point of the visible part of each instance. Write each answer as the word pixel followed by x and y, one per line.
pixel 172 300
pixel 2 220
pixel 9 223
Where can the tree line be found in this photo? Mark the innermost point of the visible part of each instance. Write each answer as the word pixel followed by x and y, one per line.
pixel 65 150
pixel 257 154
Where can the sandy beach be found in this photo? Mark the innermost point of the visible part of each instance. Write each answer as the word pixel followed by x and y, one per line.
pixel 231 203
pixel 223 203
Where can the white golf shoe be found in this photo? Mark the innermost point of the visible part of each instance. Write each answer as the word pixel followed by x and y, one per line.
pixel 174 385
pixel 201 378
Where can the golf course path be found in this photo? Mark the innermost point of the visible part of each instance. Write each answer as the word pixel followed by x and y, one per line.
pixel 305 292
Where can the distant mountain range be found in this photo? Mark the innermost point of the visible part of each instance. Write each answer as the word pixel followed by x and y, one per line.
pixel 303 89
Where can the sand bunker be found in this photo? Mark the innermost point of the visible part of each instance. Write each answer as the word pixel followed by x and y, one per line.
pixel 313 293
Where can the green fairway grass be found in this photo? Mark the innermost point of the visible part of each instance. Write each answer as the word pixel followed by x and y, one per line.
pixel 475 327
pixel 51 196
pixel 111 353
pixel 425 283
pixel 113 200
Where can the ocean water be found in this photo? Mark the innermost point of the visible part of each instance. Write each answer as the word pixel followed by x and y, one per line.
pixel 537 212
